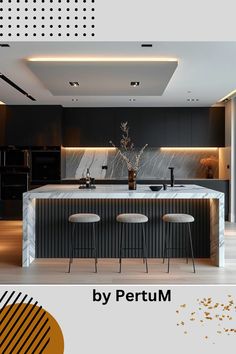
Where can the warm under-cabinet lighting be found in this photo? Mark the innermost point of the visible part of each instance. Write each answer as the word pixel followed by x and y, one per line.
pixel 101 59
pixel 89 148
pixel 2 102
pixel 189 148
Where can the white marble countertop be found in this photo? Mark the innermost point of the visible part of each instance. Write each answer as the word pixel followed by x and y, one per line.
pixel 110 191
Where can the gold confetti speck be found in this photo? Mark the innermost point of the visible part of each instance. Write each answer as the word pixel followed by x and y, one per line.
pixel 209 310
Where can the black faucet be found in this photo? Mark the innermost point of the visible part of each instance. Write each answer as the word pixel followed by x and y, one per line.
pixel 172 177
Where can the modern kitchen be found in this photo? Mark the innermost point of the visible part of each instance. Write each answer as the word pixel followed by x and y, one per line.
pixel 117 162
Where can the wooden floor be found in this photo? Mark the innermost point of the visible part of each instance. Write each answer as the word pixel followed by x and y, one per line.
pixel 53 271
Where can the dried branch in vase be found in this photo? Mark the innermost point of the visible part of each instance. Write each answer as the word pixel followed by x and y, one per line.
pixel 127 151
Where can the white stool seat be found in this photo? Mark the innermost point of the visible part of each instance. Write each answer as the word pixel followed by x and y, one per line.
pixel 178 218
pixel 132 218
pixel 84 218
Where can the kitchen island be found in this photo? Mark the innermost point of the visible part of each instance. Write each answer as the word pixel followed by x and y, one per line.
pixel 46 229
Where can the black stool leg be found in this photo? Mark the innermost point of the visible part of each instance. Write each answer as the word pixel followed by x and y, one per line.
pixel 71 247
pixel 121 245
pixel 165 242
pixel 95 249
pixel 145 247
pixel 186 245
pixel 143 253
pixel 191 246
pixel 168 247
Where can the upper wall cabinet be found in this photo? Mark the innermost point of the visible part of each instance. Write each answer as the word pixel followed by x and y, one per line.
pixel 166 127
pixel 208 127
pixel 88 127
pixel 95 127
pixel 33 125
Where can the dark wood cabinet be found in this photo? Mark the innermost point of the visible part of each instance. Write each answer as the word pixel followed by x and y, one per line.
pixel 95 127
pixel 87 127
pixel 217 126
pixel 208 127
pixel 158 127
pixel 178 127
pixel 200 127
pixel 33 125
pixel 3 121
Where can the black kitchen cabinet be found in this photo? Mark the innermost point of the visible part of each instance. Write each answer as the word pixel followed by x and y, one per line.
pixel 13 185
pixel 178 127
pixel 33 125
pixel 200 127
pixel 147 125
pixel 216 126
pixel 158 127
pixel 87 127
pixel 2 124
pixel 95 127
pixel 208 127
pixel 45 166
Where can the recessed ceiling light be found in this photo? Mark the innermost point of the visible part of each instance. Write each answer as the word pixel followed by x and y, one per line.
pixel 74 83
pixel 146 45
pixel 4 45
pixel 135 83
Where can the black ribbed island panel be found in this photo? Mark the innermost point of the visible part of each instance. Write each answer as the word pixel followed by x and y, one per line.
pixel 53 229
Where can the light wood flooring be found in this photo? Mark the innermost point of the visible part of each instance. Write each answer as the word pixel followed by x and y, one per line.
pixel 54 271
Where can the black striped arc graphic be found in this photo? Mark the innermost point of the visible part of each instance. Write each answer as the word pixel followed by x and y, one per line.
pixel 34 324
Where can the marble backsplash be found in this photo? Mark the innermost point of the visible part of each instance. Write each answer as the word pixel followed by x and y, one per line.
pixel 154 164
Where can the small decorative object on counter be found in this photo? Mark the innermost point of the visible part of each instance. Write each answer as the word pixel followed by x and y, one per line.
pixel 164 186
pixel 87 182
pixel 88 179
pixel 209 163
pixel 132 179
pixel 129 155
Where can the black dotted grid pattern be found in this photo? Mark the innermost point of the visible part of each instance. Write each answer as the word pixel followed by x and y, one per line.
pixel 47 19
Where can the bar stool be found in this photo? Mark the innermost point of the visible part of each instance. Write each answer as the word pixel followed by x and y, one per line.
pixel 178 219
pixel 133 219
pixel 76 219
